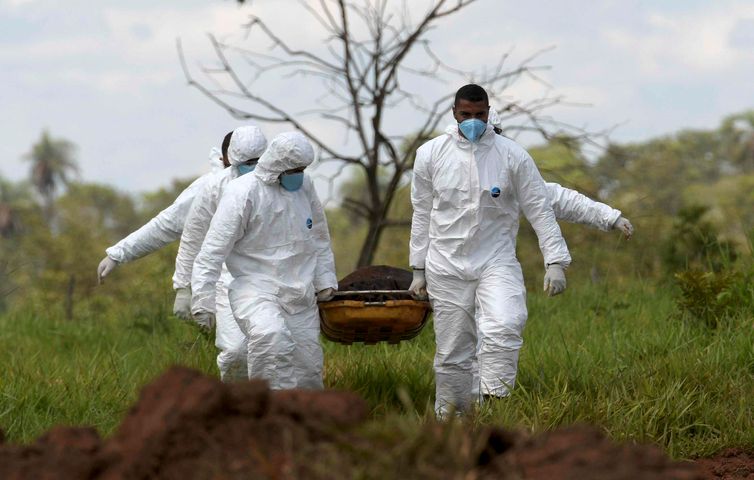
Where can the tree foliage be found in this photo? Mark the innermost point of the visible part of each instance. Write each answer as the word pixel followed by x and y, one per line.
pixel 690 210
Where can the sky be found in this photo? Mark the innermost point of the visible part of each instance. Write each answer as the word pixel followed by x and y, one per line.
pixel 106 76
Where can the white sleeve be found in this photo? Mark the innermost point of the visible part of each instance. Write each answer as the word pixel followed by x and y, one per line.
pixel 572 206
pixel 226 228
pixel 163 229
pixel 324 275
pixel 421 201
pixel 194 230
pixel 532 196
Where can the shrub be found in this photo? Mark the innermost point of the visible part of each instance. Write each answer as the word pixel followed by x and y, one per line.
pixel 710 297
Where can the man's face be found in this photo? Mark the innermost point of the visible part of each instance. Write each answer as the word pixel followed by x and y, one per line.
pixel 465 109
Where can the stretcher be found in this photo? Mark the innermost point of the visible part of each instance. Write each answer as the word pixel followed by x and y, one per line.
pixel 350 318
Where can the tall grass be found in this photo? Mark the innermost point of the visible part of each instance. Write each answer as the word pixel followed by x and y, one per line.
pixel 86 372
pixel 621 359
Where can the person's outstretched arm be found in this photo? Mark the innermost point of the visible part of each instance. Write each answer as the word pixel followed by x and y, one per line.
pixel 574 207
pixel 164 228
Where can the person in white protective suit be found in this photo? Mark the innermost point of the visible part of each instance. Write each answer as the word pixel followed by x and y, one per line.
pixel 246 146
pixel 468 187
pixel 270 230
pixel 161 230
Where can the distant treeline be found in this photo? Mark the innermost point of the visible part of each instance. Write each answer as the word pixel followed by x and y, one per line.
pixel 690 196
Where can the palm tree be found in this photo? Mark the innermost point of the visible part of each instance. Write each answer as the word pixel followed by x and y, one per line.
pixel 52 164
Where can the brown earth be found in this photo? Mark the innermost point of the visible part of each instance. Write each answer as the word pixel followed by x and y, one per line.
pixel 376 277
pixel 190 426
pixel 731 464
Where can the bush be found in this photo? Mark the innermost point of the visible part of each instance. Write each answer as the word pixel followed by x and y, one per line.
pixel 695 243
pixel 711 297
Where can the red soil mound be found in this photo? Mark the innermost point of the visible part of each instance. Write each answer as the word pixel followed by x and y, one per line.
pixel 732 464
pixel 186 425
pixel 189 426
pixel 582 453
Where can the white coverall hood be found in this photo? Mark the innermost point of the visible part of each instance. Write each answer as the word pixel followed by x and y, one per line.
pixel 287 151
pixel 246 143
pixel 216 160
pixel 494 119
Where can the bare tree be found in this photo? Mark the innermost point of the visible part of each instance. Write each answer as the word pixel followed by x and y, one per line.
pixel 364 66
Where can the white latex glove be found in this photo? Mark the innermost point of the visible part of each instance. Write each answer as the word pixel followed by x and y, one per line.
pixel 182 304
pixel 326 295
pixel 205 320
pixel 555 280
pixel 624 226
pixel 418 286
pixel 106 266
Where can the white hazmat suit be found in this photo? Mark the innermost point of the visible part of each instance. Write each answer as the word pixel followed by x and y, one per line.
pixel 246 143
pixel 466 199
pixel 574 207
pixel 164 228
pixel 570 206
pixel 276 245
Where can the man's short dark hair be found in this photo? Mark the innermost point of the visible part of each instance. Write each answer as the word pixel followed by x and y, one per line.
pixel 224 148
pixel 472 93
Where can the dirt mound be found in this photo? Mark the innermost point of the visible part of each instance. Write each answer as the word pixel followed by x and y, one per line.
pixel 732 464
pixel 376 277
pixel 583 453
pixel 189 426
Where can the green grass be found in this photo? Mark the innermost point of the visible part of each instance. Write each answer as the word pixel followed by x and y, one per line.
pixel 621 359
pixel 86 372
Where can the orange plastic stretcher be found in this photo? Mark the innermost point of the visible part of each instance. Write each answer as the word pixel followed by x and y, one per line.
pixel 352 320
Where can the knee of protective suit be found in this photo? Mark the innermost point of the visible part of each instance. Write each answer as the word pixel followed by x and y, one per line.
pixel 501 338
pixel 450 364
pixel 233 355
pixel 269 333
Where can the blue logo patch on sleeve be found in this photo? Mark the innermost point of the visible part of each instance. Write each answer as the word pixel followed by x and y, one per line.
pixel 309 223
pixel 495 192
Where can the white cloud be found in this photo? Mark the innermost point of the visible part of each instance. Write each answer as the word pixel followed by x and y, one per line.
pixel 44 50
pixel 16 3
pixel 696 41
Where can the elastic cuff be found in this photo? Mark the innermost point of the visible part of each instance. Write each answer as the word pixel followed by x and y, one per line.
pixel 115 254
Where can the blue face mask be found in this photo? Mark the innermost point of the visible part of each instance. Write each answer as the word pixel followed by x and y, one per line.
pixel 472 129
pixel 292 181
pixel 243 169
